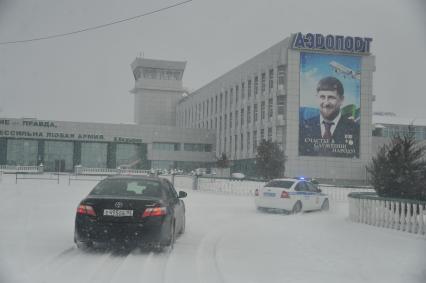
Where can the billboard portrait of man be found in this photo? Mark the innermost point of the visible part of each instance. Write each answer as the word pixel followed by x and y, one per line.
pixel 329 105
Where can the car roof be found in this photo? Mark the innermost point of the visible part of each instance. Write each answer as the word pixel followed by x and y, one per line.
pixel 287 179
pixel 136 177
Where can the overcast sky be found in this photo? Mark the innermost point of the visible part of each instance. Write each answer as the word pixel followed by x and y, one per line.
pixel 87 76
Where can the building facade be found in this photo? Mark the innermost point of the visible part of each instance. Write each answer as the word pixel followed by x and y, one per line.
pixel 268 96
pixel 60 146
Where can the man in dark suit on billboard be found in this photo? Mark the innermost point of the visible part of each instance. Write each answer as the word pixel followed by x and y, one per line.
pixel 331 133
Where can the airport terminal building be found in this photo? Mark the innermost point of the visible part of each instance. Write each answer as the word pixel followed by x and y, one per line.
pixel 281 94
pixel 272 95
pixel 153 141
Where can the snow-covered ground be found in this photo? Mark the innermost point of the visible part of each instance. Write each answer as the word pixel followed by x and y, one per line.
pixel 226 240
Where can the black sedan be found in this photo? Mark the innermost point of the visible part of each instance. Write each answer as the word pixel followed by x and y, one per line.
pixel 141 210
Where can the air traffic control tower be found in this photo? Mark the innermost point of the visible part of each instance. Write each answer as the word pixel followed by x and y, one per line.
pixel 158 88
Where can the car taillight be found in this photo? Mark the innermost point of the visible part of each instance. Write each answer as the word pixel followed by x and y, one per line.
pixel 86 209
pixel 154 211
pixel 284 194
pixel 256 192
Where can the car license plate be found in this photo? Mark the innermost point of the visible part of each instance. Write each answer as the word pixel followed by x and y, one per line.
pixel 118 212
pixel 268 194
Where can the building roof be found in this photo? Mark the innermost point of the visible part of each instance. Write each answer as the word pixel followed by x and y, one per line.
pixel 160 64
pixel 391 119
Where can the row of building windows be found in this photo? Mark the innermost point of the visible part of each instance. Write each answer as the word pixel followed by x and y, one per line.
pixel 248 142
pixel 244 115
pixel 157 74
pixel 59 155
pixel 190 114
pixel 164 146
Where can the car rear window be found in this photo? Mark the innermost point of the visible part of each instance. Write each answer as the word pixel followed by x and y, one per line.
pixel 280 184
pixel 121 187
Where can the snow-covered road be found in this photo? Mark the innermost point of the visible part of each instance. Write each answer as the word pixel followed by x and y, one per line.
pixel 226 240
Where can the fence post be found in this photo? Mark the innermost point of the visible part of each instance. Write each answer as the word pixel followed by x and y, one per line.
pixel 386 214
pixel 195 182
pixel 385 211
pixel 397 215
pixel 361 210
pixel 415 225
pixel 392 215
pixel 408 218
pixel 378 212
pixel 173 178
pixel 356 202
pixel 402 220
pixel 373 212
pixel 421 229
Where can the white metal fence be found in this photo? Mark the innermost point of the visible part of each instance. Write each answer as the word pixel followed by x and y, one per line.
pixel 244 187
pixel 409 216
pixel 340 194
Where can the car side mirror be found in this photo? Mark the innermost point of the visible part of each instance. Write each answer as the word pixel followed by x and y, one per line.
pixel 182 194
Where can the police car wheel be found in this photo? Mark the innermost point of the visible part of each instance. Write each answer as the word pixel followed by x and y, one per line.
pixel 325 205
pixel 297 207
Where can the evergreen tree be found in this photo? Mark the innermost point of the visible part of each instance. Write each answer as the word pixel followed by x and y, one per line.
pixel 399 169
pixel 270 160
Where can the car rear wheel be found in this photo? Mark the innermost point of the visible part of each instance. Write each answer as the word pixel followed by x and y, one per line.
pixel 325 205
pixel 84 246
pixel 182 229
pixel 169 246
pixel 297 207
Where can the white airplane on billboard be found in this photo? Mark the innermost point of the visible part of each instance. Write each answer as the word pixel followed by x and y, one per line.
pixel 341 69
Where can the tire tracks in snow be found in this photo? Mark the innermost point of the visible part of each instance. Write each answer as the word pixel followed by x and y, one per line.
pixel 142 266
pixel 51 265
pixel 109 268
pixel 154 268
pixel 206 259
pixel 106 266
pixel 73 265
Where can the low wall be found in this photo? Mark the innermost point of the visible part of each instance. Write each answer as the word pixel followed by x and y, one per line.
pixel 227 186
pixel 20 169
pixel 80 170
pixel 399 214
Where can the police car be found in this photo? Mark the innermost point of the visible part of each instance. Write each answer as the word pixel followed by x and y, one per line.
pixel 291 194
